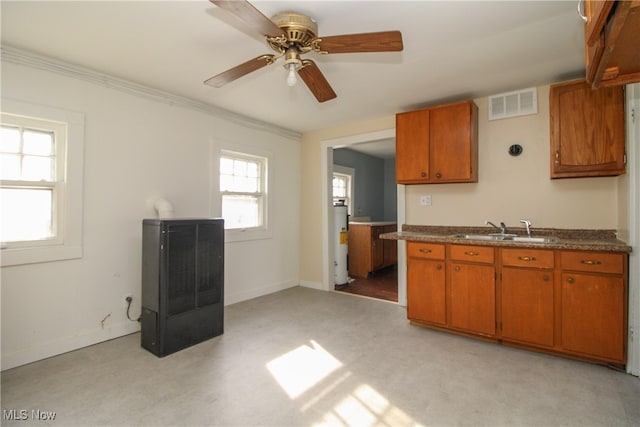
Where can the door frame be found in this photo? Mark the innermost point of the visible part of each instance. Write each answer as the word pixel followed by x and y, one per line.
pixel 633 217
pixel 326 161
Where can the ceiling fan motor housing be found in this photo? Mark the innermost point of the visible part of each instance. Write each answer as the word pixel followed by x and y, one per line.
pixel 299 28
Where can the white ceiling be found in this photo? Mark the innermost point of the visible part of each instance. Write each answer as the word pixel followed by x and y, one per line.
pixel 382 148
pixel 453 50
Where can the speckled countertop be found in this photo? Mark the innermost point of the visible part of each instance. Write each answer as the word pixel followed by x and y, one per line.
pixel 372 223
pixel 571 239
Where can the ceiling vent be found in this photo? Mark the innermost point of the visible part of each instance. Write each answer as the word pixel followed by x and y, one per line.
pixel 512 104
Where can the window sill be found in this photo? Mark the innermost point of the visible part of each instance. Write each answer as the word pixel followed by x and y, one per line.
pixel 246 234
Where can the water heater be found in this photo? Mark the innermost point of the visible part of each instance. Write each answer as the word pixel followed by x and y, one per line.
pixel 341 276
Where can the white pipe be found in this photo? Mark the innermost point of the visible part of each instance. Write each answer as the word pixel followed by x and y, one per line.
pixel 163 207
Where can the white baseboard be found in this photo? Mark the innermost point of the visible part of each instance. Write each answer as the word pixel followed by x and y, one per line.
pixel 312 285
pixel 234 297
pixel 44 350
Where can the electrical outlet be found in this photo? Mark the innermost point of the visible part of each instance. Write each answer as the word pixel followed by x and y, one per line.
pixel 425 200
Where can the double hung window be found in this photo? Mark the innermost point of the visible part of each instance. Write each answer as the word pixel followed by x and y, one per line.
pixel 243 190
pixel 32 154
pixel 342 186
pixel 40 183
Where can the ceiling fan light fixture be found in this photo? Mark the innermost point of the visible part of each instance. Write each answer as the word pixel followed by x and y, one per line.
pixel 292 62
pixel 291 77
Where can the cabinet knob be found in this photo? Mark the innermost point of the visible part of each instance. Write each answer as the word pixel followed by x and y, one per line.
pixel 457 268
pixel 439 267
pixel 438 175
pixel 423 174
pixel 570 280
pixel 527 258
pixel 546 278
pixel 590 262
pixel 424 251
pixel 471 253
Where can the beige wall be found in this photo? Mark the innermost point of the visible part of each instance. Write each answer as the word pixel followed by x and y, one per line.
pixel 513 188
pixel 509 188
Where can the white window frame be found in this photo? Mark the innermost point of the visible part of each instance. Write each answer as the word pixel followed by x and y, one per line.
pixel 349 172
pixel 67 243
pixel 245 153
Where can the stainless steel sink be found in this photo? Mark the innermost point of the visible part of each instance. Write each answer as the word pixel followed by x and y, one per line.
pixel 506 238
pixel 478 237
pixel 527 239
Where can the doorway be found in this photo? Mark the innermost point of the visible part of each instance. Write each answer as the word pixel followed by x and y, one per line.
pixel 367 206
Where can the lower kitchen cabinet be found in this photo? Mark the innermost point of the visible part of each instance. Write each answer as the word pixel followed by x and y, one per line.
pixel 592 316
pixel 472 289
pixel 527 296
pixel 527 306
pixel 367 252
pixel 571 303
pixel 594 305
pixel 426 286
pixel 472 298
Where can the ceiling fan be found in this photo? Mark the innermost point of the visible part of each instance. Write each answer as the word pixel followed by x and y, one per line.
pixel 291 35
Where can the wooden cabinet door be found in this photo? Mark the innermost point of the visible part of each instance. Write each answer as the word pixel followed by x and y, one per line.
pixel 426 291
pixel 359 250
pixel 390 246
pixel 412 147
pixel 593 316
pixel 596 13
pixel 377 248
pixel 587 130
pixel 527 305
pixel 453 146
pixel 611 41
pixel 472 298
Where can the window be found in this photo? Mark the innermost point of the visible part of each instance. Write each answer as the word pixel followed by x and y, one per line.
pixel 243 190
pixel 341 188
pixel 31 161
pixel 40 192
pixel 342 184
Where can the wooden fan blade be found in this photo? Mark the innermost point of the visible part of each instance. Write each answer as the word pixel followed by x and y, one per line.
pixel 385 41
pixel 249 14
pixel 239 71
pixel 315 81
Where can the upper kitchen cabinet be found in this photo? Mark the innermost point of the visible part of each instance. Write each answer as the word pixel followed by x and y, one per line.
pixel 438 144
pixel 587 130
pixel 612 51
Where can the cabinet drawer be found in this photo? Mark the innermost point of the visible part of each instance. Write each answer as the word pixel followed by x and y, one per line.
pixel 599 262
pixel 483 254
pixel 425 250
pixel 535 258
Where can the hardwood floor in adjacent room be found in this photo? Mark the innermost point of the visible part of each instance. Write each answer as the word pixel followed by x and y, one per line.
pixel 383 284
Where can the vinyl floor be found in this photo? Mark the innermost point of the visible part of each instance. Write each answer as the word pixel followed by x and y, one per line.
pixel 304 357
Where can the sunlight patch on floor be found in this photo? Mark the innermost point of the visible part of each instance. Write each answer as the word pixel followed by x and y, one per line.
pixel 300 369
pixel 307 366
pixel 366 407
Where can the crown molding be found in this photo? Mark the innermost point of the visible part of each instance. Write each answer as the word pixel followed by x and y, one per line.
pixel 34 60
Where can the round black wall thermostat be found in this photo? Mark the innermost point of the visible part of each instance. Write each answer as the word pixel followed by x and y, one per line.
pixel 515 150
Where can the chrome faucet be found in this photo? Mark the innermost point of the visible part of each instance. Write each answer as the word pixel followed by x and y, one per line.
pixel 527 225
pixel 502 228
